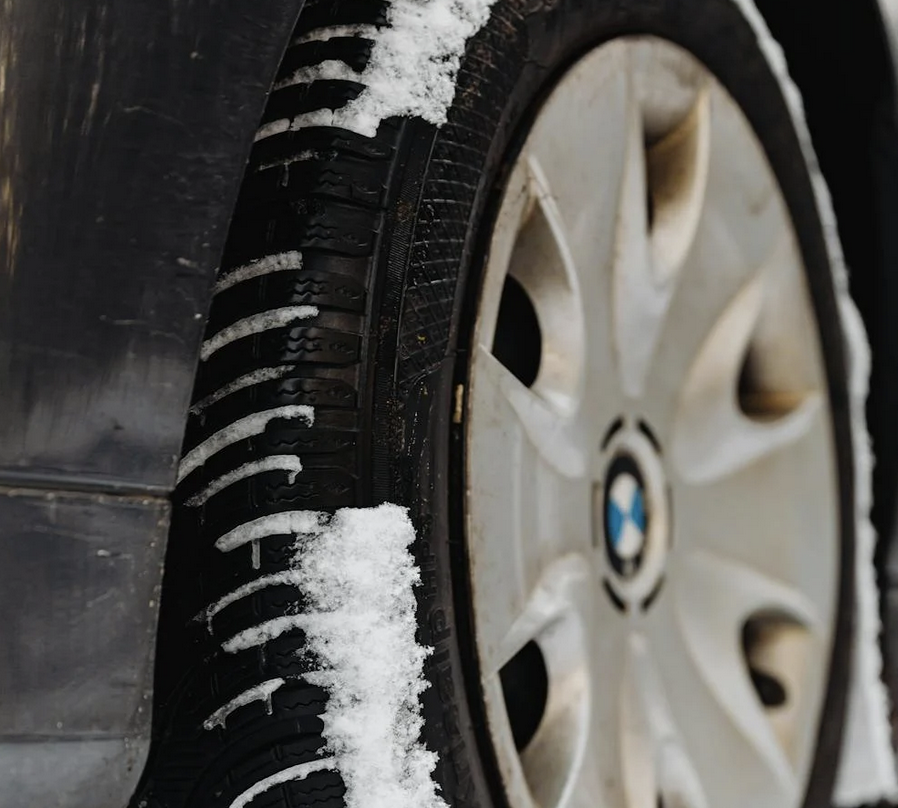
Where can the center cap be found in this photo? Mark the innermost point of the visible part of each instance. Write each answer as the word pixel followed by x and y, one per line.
pixel 631 516
pixel 626 515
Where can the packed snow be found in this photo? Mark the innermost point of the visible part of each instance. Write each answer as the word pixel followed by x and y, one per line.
pixel 411 72
pixel 298 772
pixel 284 578
pixel 279 262
pixel 242 428
pixel 262 692
pixel 328 70
pixel 359 578
pixel 255 324
pixel 257 635
pixel 275 524
pixel 288 463
pixel 241 383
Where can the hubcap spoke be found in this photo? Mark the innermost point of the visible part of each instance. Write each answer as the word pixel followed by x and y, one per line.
pixel 516 206
pixel 712 435
pixel 757 516
pixel 743 232
pixel 656 768
pixel 569 763
pixel 545 266
pixel 720 595
pixel 645 273
pixel 698 656
pixel 579 194
pixel 554 436
pixel 639 301
pixel 532 512
pixel 641 713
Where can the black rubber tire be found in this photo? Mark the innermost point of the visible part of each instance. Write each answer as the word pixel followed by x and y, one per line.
pixel 391 229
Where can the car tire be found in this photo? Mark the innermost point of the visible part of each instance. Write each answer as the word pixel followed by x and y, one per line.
pixel 350 284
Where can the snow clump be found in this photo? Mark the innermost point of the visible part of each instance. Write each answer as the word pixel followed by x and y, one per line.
pixel 358 576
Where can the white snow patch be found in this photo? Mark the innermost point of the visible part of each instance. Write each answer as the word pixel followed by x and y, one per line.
pixel 296 523
pixel 289 463
pixel 242 428
pixel 255 324
pixel 285 578
pixel 262 692
pixel 328 70
pixel 264 632
pixel 412 69
pixel 279 262
pixel 327 32
pixel 300 157
pixel 867 766
pixel 359 576
pixel 283 125
pixel 241 383
pixel 298 772
pixel 256 553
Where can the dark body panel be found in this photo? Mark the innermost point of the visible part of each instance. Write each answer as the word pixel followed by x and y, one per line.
pixel 124 129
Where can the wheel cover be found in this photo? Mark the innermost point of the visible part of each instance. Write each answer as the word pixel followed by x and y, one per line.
pixel 651 490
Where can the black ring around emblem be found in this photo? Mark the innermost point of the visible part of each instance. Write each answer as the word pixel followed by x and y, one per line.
pixel 623 463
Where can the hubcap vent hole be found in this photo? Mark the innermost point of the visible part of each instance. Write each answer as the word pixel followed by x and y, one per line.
pixel 770 690
pixel 758 398
pixel 777 649
pixel 771 643
pixel 518 340
pixel 525 686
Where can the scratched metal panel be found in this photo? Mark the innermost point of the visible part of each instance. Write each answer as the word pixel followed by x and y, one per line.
pixel 94 773
pixel 124 129
pixel 79 587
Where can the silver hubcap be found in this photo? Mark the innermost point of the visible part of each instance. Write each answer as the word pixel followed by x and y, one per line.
pixel 651 483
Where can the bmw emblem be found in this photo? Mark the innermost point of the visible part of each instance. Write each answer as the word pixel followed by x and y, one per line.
pixel 626 515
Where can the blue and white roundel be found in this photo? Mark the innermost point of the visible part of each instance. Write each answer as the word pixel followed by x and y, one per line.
pixel 625 516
